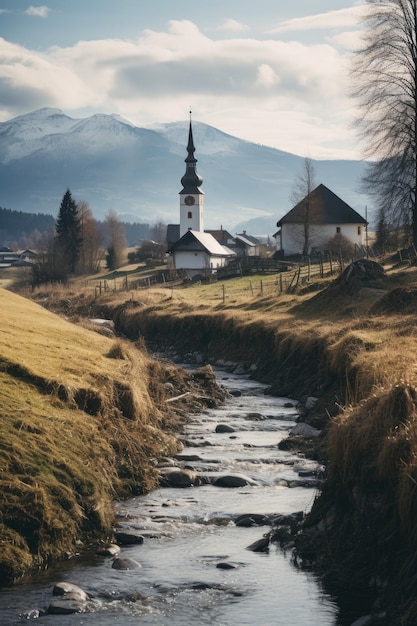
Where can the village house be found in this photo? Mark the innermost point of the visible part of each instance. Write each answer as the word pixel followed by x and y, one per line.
pixel 312 223
pixel 8 258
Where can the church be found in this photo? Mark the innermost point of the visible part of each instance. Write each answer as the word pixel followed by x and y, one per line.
pixel 191 248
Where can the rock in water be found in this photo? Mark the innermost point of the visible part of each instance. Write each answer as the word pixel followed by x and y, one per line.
pixel 224 428
pixel 233 480
pixel 125 564
pixel 128 538
pixel 176 477
pixel 64 589
pixel 65 606
pixel 261 545
pixel 110 550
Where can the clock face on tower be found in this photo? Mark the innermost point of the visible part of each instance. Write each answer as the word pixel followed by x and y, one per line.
pixel 189 200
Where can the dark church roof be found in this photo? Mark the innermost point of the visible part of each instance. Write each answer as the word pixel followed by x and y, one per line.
pixel 191 180
pixel 324 208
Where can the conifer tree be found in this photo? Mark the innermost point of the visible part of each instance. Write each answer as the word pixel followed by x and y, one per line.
pixel 69 231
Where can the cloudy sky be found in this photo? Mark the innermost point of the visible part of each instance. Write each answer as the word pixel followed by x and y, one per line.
pixel 269 71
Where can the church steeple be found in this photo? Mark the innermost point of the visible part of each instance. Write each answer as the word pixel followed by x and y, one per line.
pixel 191 196
pixel 191 180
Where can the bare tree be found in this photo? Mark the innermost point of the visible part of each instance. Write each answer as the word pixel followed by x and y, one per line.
pixel 385 79
pixel 158 232
pixel 116 241
pixel 302 195
pixel 91 253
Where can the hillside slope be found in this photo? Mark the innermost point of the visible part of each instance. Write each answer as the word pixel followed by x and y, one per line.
pixel 83 416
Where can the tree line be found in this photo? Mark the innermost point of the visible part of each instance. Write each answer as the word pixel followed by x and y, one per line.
pixel 23 230
pixel 79 244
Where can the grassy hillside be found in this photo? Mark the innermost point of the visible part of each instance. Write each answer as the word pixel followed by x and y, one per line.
pixel 82 417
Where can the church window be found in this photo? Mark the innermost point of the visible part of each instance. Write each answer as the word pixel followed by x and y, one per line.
pixel 359 230
pixel 338 229
pixel 189 215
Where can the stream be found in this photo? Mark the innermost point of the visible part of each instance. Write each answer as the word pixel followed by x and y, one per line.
pixel 195 565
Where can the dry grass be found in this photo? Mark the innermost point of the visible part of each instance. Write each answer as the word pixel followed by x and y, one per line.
pixel 78 426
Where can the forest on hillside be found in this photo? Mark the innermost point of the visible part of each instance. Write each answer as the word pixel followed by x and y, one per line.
pixel 20 230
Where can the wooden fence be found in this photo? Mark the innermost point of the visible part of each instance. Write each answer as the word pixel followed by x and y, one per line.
pixel 280 276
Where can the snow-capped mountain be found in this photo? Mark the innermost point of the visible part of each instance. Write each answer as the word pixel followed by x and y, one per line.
pixel 110 163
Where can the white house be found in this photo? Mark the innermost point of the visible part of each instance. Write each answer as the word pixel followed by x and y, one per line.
pixel 199 253
pixel 195 251
pixel 315 220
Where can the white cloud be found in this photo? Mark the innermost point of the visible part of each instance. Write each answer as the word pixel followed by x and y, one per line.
pixel 341 18
pixel 267 75
pixel 286 94
pixel 41 11
pixel 233 26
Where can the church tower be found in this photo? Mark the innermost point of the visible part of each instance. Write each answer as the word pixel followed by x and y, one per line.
pixel 191 196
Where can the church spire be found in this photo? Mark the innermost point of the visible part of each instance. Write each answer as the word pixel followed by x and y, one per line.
pixel 191 180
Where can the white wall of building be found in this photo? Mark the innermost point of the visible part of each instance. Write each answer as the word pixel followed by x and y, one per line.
pixel 292 236
pixel 197 261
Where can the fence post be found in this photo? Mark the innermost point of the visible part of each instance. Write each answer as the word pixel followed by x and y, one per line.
pixel 292 280
pixel 280 283
pixel 224 293
pixel 298 276
pixel 251 286
pixel 321 265
pixel 262 288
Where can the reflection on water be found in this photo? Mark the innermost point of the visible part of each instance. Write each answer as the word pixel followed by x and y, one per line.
pixel 190 532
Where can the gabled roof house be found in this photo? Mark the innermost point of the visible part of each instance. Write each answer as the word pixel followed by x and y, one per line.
pixel 247 245
pixel 311 223
pixel 197 252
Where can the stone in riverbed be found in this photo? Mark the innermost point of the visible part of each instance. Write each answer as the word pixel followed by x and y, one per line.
pixel 253 519
pixel 125 564
pixel 110 550
pixel 261 545
pixel 233 480
pixel 305 430
pixel 66 606
pixel 224 428
pixel 225 565
pixel 128 538
pixel 177 477
pixel 64 589
pixel 73 599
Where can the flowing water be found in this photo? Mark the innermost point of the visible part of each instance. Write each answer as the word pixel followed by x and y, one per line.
pixel 189 532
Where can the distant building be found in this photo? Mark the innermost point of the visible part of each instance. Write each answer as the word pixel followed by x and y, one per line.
pixel 247 245
pixel 317 219
pixel 8 258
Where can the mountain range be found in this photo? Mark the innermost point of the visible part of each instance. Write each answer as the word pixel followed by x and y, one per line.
pixel 111 163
